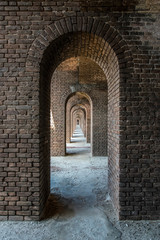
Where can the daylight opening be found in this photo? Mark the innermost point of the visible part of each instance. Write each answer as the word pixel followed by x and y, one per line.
pixel 78 124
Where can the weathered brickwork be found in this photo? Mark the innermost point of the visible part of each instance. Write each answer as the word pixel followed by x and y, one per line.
pixel 122 37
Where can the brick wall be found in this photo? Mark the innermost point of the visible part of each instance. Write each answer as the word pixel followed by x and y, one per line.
pixel 123 39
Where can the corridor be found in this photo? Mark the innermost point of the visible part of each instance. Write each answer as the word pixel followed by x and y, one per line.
pixel 79 192
pixel 77 177
pixel 80 120
pixel 78 143
pixel 79 207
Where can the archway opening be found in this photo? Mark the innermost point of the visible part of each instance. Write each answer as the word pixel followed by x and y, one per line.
pixel 97 47
pixel 79 94
pixel 79 55
pixel 78 123
pixel 84 82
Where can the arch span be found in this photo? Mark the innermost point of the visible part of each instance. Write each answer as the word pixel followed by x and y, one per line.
pixel 81 100
pixel 95 40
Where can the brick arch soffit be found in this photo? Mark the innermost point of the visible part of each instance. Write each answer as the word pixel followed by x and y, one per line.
pixel 72 101
pixel 75 109
pixel 79 24
pixel 86 94
pixel 79 106
pixel 78 109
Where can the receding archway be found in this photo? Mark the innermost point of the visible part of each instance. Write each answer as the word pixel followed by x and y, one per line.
pixel 101 43
pixel 79 74
pixel 78 115
pixel 66 46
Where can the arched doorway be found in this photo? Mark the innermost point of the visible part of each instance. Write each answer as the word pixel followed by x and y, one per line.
pixel 71 79
pixel 102 44
pixel 78 122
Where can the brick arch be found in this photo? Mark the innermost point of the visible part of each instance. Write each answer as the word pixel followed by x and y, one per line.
pixel 85 109
pixel 78 110
pixel 79 24
pixel 79 99
pixel 59 149
pixel 94 39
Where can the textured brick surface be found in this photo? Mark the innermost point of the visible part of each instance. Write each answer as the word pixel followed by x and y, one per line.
pixel 123 39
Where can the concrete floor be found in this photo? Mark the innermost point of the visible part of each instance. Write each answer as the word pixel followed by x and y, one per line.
pixel 79 207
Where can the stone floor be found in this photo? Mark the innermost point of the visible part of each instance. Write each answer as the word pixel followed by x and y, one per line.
pixel 79 207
